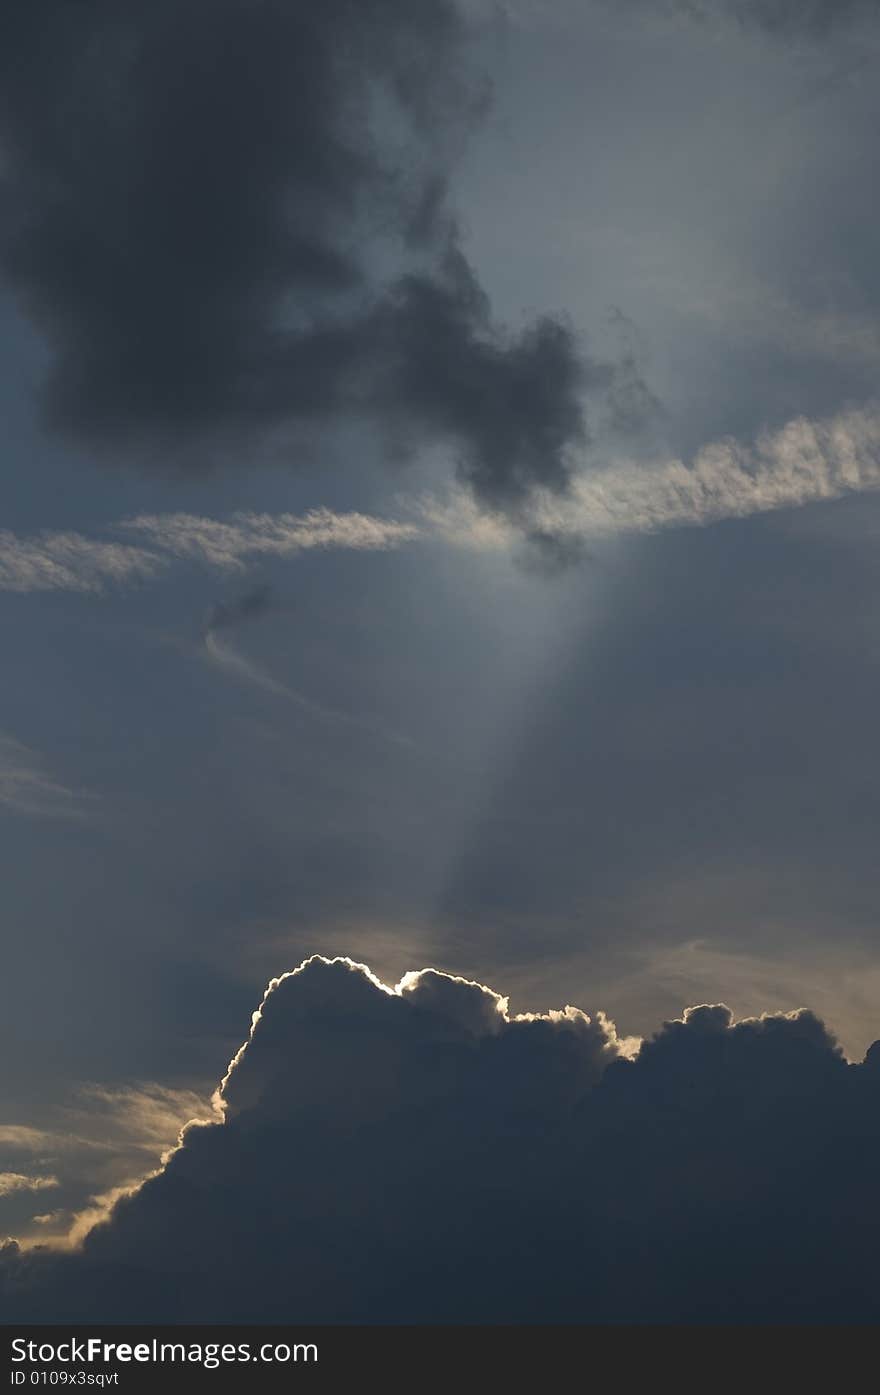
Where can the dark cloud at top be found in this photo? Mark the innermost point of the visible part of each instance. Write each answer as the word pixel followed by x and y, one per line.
pixel 422 1156
pixel 182 185
pixel 229 217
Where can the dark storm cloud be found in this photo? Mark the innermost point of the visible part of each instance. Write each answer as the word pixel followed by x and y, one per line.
pixel 182 187
pixel 227 217
pixel 421 1156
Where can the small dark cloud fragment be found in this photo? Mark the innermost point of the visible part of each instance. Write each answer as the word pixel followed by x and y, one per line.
pixel 630 407
pixel 419 1156
pixel 252 604
pixel 513 403
pixel 548 554
pixel 631 404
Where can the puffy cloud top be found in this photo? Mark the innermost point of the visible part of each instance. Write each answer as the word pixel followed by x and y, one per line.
pixel 419 1154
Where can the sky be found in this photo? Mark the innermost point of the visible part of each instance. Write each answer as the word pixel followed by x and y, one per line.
pixel 441 492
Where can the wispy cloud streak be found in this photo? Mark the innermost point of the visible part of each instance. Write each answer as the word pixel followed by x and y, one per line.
pixel 248 535
pixel 226 657
pixel 11 1182
pixel 56 561
pixel 26 787
pixel 806 462
pixel 70 562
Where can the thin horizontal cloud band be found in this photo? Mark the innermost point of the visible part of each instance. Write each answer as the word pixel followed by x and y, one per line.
pixel 805 462
pixel 75 562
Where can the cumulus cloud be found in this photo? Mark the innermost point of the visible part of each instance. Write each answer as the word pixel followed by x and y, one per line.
pixel 419 1153
pixel 228 220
